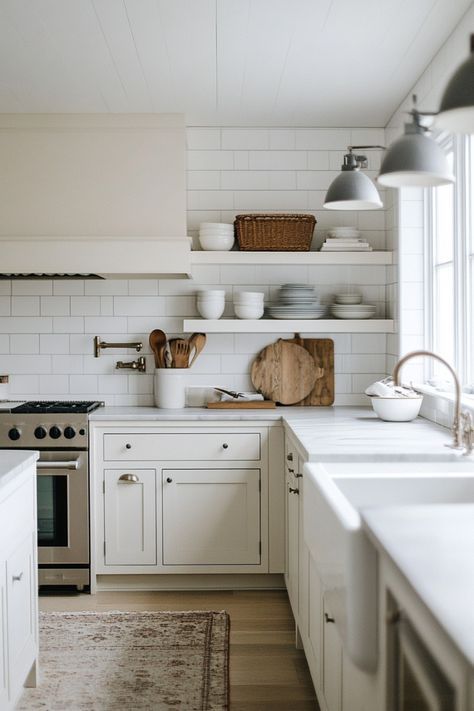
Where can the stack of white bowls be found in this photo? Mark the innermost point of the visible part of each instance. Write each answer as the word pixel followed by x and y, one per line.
pixel 216 236
pixel 343 233
pixel 211 303
pixel 248 304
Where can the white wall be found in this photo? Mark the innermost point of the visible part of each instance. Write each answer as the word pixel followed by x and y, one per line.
pixel 47 327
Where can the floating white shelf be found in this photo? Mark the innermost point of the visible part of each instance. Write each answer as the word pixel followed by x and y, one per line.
pixel 321 258
pixel 269 325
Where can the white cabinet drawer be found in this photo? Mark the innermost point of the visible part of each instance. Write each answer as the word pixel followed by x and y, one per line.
pixel 183 446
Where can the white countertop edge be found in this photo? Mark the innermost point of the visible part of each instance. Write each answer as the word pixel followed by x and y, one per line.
pixel 444 595
pixel 13 462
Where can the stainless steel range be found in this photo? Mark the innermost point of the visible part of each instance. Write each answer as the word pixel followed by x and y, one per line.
pixel 60 431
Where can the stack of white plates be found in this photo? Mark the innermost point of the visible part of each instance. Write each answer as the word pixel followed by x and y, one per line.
pixel 296 301
pixel 216 236
pixel 344 232
pixel 355 311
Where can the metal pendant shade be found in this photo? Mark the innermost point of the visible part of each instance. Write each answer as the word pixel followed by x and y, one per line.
pixel 456 112
pixel 352 190
pixel 414 160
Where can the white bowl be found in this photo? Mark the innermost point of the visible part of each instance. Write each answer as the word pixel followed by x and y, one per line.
pixel 248 311
pixel 216 242
pixel 397 409
pixel 211 309
pixel 211 293
pixel 254 297
pixel 348 299
pixel 217 226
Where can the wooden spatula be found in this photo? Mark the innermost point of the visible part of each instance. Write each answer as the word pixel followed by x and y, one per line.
pixel 157 341
pixel 180 351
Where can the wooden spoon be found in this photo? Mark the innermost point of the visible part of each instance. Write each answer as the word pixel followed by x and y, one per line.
pixel 157 342
pixel 196 341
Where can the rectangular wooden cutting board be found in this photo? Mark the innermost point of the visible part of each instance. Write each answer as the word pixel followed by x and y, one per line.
pixel 322 350
pixel 243 405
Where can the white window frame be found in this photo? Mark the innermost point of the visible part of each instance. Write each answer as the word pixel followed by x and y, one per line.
pixel 463 253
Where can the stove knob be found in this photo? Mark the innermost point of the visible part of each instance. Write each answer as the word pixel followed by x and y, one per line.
pixel 14 433
pixel 69 432
pixel 55 432
pixel 40 432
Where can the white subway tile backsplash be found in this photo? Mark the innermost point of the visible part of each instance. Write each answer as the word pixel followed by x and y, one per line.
pixel 106 287
pixel 24 343
pixel 5 343
pixel 112 384
pixel 82 384
pixel 210 160
pixel 323 139
pixel 35 287
pixel 25 306
pixel 85 305
pixel 139 306
pixel 17 364
pixel 25 324
pixel 315 179
pixel 5 305
pixel 203 180
pixel 53 384
pixel 244 138
pixel 68 287
pixel 278 160
pixel 282 139
pixel 56 343
pixel 68 324
pixel 269 200
pixel 102 324
pixel 55 306
pixel 67 364
pixel 203 138
pixel 5 287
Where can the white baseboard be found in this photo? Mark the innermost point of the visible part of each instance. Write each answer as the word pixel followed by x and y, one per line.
pixel 189 582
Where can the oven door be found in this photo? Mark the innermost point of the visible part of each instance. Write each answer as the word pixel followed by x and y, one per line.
pixel 63 508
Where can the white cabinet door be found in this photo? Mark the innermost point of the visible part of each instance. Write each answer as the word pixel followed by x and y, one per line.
pixel 3 638
pixel 292 542
pixel 130 517
pixel 332 662
pixel 315 618
pixel 21 611
pixel 211 516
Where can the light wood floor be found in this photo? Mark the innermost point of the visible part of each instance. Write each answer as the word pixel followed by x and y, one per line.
pixel 266 671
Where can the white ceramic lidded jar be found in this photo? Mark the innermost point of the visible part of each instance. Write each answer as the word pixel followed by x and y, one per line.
pixel 169 388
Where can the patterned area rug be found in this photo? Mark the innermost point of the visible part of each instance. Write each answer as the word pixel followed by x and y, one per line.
pixel 132 660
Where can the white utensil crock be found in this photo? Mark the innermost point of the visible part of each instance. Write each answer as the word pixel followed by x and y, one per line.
pixel 169 386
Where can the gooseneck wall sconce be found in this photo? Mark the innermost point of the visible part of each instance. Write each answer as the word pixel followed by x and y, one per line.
pixel 352 189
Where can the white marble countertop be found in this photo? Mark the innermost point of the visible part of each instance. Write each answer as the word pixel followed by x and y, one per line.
pixel 323 433
pixel 432 547
pixel 13 462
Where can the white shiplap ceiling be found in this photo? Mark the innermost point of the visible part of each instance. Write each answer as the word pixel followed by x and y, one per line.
pixel 226 62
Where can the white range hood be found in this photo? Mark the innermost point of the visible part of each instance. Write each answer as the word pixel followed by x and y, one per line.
pixel 102 195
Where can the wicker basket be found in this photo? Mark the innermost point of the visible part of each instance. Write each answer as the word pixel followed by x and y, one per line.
pixel 274 233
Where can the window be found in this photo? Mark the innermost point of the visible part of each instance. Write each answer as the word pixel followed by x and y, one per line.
pixel 450 266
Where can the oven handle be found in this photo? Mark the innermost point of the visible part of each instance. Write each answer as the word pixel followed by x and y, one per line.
pixel 74 464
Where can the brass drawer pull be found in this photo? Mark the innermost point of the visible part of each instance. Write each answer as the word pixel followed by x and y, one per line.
pixel 293 491
pixel 129 479
pixel 17 578
pixel 225 446
pixel 328 618
pixel 289 456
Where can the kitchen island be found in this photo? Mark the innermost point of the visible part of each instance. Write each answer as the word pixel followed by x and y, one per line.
pixel 18 575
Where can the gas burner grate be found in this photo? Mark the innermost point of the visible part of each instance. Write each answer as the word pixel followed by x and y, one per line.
pixel 57 406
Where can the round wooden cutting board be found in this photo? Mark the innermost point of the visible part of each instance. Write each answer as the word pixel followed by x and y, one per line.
pixel 284 372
